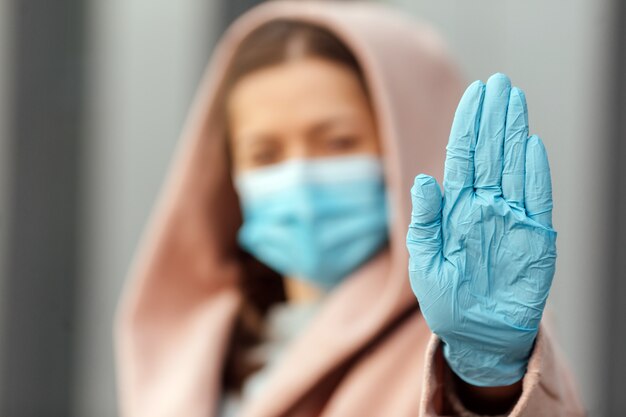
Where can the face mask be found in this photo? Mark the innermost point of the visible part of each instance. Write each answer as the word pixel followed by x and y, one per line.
pixel 315 219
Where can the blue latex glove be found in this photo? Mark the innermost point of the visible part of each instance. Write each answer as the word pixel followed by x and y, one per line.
pixel 482 257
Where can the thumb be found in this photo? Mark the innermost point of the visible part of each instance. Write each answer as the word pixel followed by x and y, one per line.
pixel 424 240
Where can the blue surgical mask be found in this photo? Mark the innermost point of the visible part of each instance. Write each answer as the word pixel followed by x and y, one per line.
pixel 314 219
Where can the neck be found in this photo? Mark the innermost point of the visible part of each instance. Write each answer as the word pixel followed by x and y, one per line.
pixel 299 291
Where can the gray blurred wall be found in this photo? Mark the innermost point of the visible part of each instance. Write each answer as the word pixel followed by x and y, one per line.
pixel 145 59
pixel 558 52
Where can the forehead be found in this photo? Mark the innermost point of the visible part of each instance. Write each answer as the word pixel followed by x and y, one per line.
pixel 298 91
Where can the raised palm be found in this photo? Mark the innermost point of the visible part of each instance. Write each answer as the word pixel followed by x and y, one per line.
pixel 482 257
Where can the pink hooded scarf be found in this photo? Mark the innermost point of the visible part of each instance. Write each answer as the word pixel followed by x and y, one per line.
pixel 368 351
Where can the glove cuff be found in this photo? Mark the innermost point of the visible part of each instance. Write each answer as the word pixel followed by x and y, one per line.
pixel 485 369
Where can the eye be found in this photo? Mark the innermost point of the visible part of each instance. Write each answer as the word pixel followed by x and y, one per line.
pixel 265 155
pixel 342 142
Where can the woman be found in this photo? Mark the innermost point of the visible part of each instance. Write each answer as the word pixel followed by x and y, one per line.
pixel 273 278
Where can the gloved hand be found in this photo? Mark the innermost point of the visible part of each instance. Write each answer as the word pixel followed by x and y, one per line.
pixel 482 257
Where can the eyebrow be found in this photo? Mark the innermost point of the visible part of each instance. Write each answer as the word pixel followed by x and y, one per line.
pixel 260 139
pixel 317 129
pixel 320 127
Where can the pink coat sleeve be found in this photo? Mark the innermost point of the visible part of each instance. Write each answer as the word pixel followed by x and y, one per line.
pixel 548 388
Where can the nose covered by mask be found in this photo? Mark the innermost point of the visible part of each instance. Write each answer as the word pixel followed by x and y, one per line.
pixel 314 219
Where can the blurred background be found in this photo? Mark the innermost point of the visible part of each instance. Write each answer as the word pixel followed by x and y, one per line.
pixel 93 95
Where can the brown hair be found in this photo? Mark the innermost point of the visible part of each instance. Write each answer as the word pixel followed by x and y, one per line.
pixel 270 44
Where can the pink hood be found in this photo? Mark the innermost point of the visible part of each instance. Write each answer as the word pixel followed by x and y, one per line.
pixel 176 313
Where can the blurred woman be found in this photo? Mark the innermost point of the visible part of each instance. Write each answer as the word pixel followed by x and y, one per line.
pixel 274 278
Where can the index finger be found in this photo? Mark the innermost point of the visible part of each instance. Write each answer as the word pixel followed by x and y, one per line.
pixel 489 149
pixel 459 166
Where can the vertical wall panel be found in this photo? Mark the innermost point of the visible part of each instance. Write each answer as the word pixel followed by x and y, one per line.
pixel 615 326
pixel 37 299
pixel 6 41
